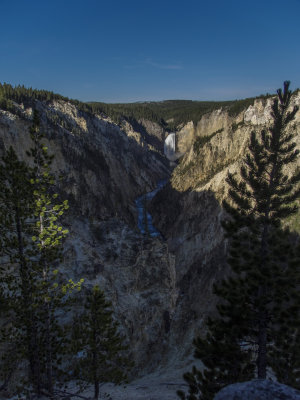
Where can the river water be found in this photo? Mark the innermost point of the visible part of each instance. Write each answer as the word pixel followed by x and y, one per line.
pixel 145 224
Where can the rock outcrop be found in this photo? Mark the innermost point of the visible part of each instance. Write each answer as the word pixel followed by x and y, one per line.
pixel 261 389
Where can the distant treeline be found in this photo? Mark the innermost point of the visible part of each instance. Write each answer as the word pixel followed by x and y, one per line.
pixel 130 111
pixel 21 94
pixel 169 114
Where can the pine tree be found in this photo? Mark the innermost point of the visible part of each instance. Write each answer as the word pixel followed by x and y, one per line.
pixel 259 301
pixel 32 241
pixel 16 215
pixel 98 345
pixel 285 350
pixel 47 238
pixel 285 356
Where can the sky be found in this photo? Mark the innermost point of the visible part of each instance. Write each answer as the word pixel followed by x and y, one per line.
pixel 140 50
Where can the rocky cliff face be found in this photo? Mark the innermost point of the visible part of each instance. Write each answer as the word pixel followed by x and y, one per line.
pixel 147 133
pixel 161 289
pixel 218 141
pixel 188 211
pixel 103 169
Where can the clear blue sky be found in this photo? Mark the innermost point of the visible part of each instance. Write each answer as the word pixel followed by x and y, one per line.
pixel 134 50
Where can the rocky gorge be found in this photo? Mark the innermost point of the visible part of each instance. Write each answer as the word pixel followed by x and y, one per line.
pixel 161 286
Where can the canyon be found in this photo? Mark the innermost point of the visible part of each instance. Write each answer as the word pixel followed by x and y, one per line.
pixel 160 285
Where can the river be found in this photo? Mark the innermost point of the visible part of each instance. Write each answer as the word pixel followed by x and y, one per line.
pixel 145 224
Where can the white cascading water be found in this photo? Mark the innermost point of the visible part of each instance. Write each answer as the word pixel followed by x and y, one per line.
pixel 170 146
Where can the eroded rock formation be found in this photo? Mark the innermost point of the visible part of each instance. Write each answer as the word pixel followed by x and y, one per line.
pixel 161 289
pixel 189 211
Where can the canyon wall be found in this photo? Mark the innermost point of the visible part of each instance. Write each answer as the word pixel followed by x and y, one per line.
pixel 161 288
pixel 188 211
pixel 102 169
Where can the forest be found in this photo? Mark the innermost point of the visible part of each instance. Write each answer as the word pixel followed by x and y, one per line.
pixel 169 113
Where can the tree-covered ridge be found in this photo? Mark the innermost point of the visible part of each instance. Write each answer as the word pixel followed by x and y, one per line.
pixel 20 94
pixel 172 113
pixel 129 111
pixel 169 113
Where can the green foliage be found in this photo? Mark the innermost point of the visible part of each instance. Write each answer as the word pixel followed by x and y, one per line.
pixel 235 126
pixel 285 356
pixel 171 113
pixel 168 114
pixel 294 222
pixel 15 248
pixel 224 363
pixel 238 106
pixel 184 168
pixel 31 240
pixel 22 95
pixel 258 313
pixel 202 140
pixel 98 345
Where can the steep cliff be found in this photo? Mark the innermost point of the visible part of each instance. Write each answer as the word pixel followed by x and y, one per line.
pixel 188 210
pixel 219 140
pixel 102 170
pixel 161 289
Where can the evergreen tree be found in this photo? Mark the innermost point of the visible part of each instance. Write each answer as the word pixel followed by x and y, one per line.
pixel 47 238
pixel 16 248
pixel 259 301
pixel 285 356
pixel 99 346
pixel 285 350
pixel 31 241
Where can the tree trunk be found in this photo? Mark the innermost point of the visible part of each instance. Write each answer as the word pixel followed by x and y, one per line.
pixel 95 364
pixel 26 287
pixel 49 351
pixel 96 390
pixel 261 361
pixel 47 325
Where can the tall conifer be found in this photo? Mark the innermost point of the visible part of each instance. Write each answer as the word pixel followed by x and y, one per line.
pixel 98 344
pixel 47 238
pixel 259 301
pixel 16 249
pixel 31 244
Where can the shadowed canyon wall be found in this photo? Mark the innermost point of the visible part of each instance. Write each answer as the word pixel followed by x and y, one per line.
pixel 161 289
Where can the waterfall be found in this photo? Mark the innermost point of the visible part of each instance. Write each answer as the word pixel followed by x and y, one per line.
pixel 169 146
